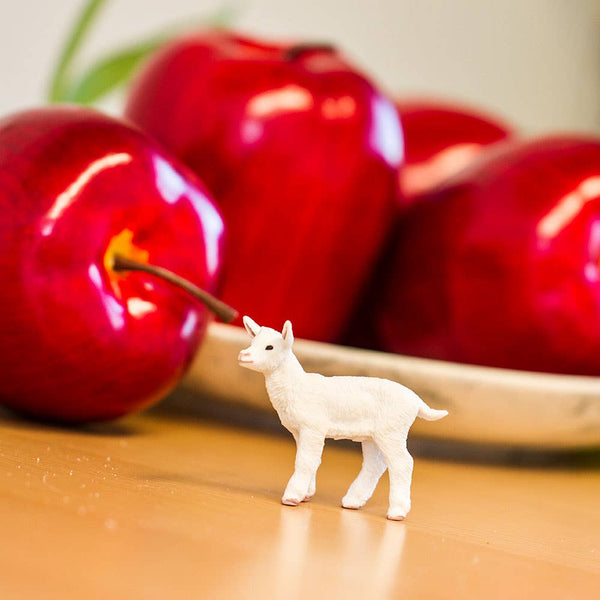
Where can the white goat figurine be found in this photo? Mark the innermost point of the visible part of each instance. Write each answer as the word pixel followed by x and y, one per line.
pixel 376 412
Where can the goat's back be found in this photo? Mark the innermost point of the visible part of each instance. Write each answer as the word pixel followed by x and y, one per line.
pixel 346 397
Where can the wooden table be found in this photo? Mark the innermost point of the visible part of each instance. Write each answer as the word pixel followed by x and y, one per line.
pixel 168 507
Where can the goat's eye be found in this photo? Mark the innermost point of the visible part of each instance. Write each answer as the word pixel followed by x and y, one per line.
pixel 269 347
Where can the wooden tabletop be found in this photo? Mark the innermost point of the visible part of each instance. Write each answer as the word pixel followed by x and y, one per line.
pixel 168 507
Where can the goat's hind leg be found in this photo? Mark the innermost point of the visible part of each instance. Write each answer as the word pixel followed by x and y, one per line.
pixel 308 458
pixel 400 465
pixel 362 488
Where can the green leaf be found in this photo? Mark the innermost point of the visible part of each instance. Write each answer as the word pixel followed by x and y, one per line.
pixel 222 18
pixel 117 69
pixel 111 72
pixel 59 82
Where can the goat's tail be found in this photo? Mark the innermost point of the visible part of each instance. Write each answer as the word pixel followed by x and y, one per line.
pixel 430 414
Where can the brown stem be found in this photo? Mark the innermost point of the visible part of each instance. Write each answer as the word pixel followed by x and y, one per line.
pixel 294 52
pixel 222 310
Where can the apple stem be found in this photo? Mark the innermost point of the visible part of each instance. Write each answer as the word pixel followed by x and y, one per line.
pixel 222 310
pixel 294 52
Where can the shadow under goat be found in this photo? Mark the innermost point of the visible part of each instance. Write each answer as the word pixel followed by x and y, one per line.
pixel 376 412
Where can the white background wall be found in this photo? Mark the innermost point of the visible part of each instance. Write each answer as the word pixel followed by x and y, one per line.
pixel 535 62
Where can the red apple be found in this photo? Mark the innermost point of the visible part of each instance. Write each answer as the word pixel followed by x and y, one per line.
pixel 440 139
pixel 81 341
pixel 300 151
pixel 501 265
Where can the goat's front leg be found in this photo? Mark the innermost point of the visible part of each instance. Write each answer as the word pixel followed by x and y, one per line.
pixel 309 447
pixel 312 488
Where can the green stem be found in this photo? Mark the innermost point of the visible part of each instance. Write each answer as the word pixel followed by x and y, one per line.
pixel 59 84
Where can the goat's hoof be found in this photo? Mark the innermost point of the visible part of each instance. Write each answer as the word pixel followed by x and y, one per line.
pixel 396 515
pixel 352 503
pixel 290 501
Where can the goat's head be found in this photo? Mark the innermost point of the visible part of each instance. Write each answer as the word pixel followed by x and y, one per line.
pixel 268 348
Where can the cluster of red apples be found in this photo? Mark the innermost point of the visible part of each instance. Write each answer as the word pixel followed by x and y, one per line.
pixel 282 179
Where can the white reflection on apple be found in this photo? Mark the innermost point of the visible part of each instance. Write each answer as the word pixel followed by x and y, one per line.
pixel 66 198
pixel 591 269
pixel 172 187
pixel 570 205
pixel 251 131
pixel 273 103
pixel 420 177
pixel 169 183
pixel 212 224
pixel 114 311
pixel 139 308
pixel 189 325
pixel 289 98
pixel 386 137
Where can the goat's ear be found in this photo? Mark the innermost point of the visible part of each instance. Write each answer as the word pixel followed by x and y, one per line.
pixel 287 333
pixel 251 326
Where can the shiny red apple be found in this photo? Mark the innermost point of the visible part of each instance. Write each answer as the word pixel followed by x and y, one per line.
pixel 501 265
pixel 441 138
pixel 80 341
pixel 300 151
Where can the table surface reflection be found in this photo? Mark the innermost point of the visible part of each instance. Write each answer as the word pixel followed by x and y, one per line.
pixel 163 506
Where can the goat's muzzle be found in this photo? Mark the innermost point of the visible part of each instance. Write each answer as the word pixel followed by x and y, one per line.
pixel 245 357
